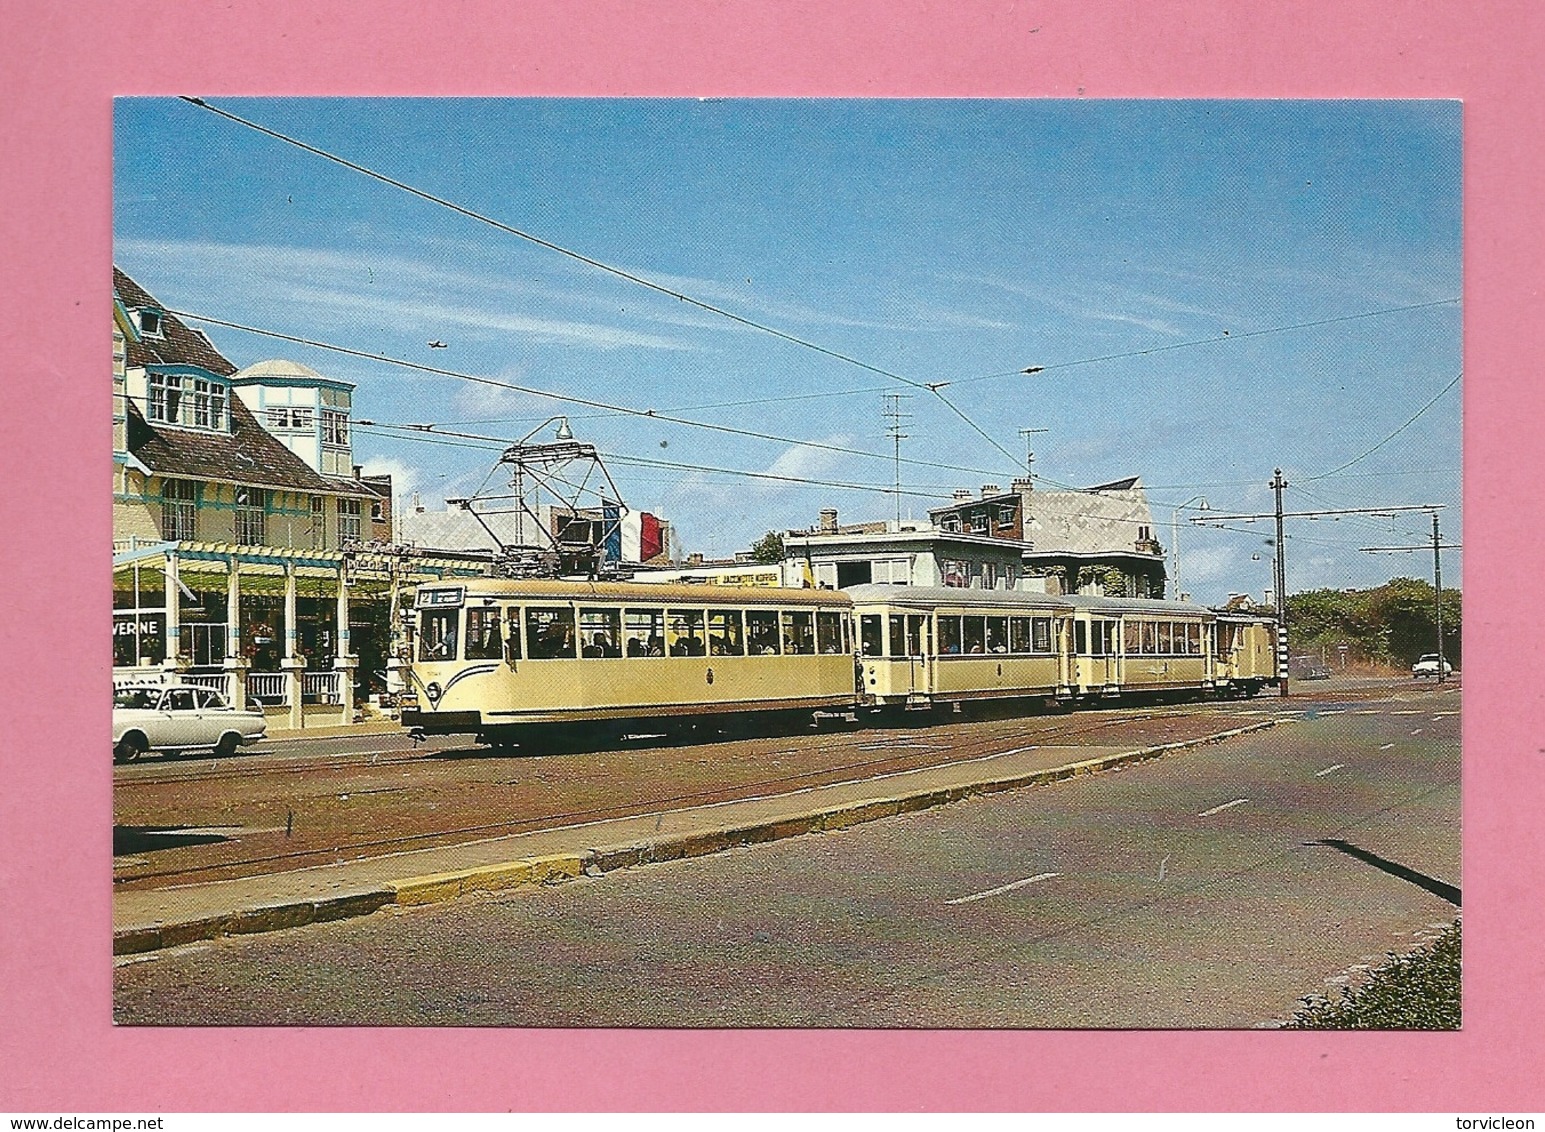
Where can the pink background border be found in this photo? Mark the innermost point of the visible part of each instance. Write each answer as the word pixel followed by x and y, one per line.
pixel 62 64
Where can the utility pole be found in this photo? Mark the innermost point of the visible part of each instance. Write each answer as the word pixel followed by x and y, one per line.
pixel 1437 578
pixel 1277 484
pixel 896 418
pixel 1280 580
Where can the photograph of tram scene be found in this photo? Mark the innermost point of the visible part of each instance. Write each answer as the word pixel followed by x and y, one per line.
pixel 786 563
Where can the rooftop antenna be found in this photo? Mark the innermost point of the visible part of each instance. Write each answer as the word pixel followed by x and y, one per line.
pixel 895 419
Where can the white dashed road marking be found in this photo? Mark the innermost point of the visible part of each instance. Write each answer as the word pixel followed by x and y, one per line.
pixel 1418 731
pixel 1327 770
pixel 1387 746
pixel 1225 806
pixel 1002 888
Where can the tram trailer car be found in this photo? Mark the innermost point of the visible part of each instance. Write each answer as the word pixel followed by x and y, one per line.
pixel 495 658
pixel 923 646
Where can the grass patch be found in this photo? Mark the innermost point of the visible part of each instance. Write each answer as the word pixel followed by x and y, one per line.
pixel 1419 991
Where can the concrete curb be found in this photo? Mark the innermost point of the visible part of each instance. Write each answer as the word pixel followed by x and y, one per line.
pixel 435 888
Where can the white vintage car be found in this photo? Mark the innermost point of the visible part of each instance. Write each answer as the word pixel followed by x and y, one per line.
pixel 176 717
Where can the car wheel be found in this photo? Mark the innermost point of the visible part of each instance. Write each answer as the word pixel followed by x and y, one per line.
pixel 129 748
pixel 227 744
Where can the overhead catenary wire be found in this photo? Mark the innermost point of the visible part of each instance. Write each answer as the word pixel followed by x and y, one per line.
pixel 567 398
pixel 490 444
pixel 1363 456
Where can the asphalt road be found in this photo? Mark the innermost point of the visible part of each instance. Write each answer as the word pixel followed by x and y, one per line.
pixel 1213 888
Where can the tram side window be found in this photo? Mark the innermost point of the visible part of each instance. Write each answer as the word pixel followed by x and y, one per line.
pixel 1132 637
pixel 871 634
pixel 1150 638
pixel 1166 640
pixel 484 639
pixel 437 634
pixel 1081 638
pixel 644 634
pixel 798 633
pixel 828 632
pixel 897 624
pixel 512 633
pixel 997 634
pixel 762 632
pixel 549 633
pixel 724 633
pixel 949 636
pixel 974 635
pixel 1019 635
pixel 1194 639
pixel 917 635
pixel 684 632
pixel 1040 637
pixel 600 632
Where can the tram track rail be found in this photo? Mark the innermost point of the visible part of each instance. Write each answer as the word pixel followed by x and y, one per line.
pixel 896 760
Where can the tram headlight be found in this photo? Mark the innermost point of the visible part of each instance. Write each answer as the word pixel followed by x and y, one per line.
pixel 433 691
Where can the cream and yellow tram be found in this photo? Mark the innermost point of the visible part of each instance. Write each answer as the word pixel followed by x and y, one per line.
pixel 1246 647
pixel 494 658
pixel 924 646
pixel 920 646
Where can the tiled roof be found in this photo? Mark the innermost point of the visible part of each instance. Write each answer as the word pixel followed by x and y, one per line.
pixel 248 454
pixel 1094 521
pixel 177 345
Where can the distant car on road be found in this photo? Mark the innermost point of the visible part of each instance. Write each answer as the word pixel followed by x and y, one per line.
pixel 178 717
pixel 1427 666
pixel 1308 668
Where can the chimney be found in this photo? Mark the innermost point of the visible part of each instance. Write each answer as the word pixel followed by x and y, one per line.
pixel 694 559
pixel 962 494
pixel 828 520
pixel 1024 485
pixel 989 489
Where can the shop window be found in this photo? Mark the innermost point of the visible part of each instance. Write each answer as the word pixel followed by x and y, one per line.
pixel 139 639
pixel 644 634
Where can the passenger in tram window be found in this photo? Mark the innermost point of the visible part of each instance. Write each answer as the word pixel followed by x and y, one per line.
pixel 656 645
pixel 635 647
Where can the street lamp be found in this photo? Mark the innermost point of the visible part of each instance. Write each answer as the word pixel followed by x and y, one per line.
pixel 1174 533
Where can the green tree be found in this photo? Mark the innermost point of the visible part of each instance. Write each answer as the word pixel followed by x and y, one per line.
pixel 768 549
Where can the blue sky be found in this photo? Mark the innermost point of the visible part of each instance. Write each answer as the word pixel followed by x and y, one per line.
pixel 1214 289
